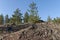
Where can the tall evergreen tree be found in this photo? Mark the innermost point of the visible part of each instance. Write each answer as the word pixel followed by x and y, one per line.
pixel 11 20
pixel 54 20
pixel 49 19
pixel 33 13
pixel 26 17
pixel 6 19
pixel 1 19
pixel 58 20
pixel 16 17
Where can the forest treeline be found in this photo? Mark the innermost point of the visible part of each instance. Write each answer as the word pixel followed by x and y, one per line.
pixel 30 16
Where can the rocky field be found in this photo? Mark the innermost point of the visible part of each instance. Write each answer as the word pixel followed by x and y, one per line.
pixel 38 31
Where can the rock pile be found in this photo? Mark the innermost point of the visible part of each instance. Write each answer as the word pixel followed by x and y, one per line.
pixel 40 31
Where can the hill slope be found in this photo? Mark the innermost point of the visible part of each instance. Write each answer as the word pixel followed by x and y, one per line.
pixel 39 31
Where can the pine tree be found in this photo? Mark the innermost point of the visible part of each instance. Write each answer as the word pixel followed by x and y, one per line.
pixel 33 13
pixel 6 19
pixel 49 19
pixel 26 17
pixel 54 20
pixel 58 20
pixel 1 19
pixel 11 20
pixel 16 17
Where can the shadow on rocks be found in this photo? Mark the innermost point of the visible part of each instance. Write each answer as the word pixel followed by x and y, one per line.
pixel 34 26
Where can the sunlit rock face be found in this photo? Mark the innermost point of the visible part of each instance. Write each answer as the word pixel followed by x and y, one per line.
pixel 38 31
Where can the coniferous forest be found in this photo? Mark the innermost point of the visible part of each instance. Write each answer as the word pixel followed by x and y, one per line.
pixel 30 16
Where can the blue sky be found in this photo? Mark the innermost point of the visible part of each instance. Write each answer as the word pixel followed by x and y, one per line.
pixel 45 7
